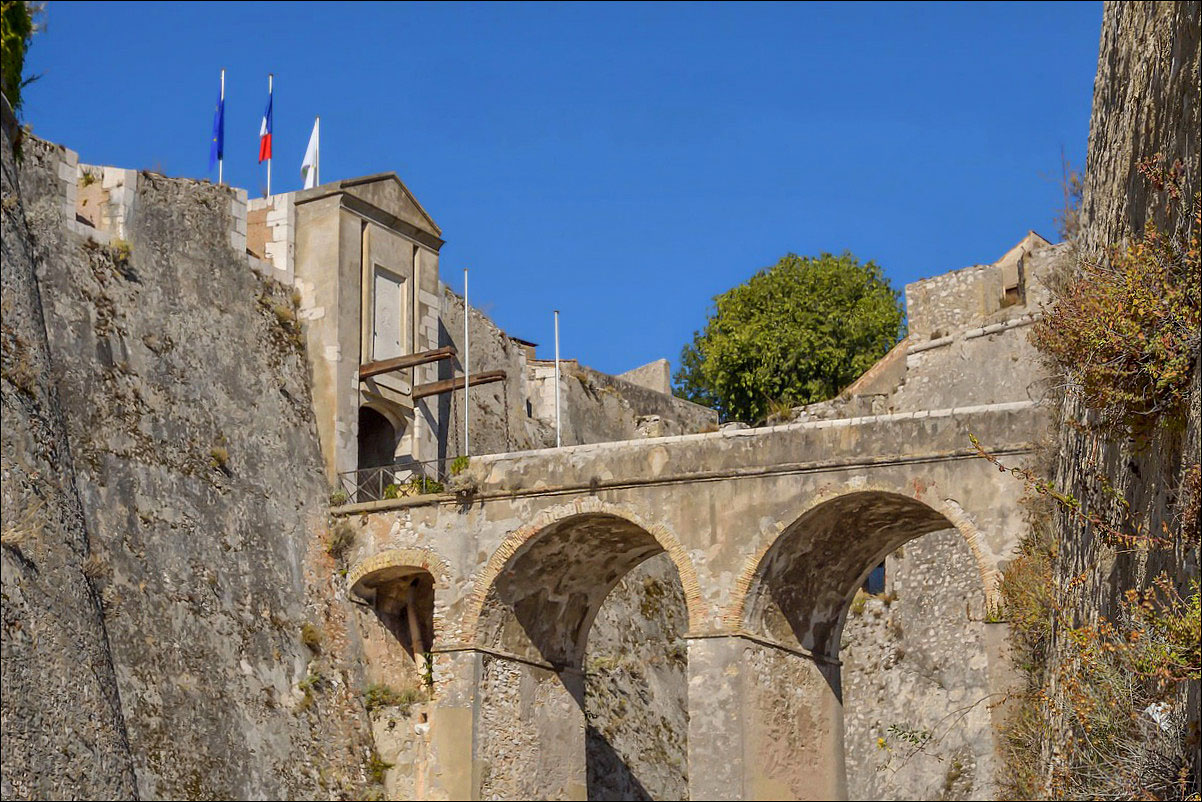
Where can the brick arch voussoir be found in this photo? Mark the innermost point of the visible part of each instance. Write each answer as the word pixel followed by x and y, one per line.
pixel 519 537
pixel 422 558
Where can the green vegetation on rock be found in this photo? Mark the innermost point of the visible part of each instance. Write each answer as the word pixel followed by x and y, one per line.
pixel 17 28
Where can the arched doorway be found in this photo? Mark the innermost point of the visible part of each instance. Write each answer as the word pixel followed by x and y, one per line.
pixel 377 439
pixel 534 730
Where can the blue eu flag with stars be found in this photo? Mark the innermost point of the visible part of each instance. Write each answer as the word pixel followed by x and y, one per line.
pixel 217 146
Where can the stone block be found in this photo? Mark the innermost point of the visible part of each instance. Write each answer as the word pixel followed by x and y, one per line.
pixel 67 171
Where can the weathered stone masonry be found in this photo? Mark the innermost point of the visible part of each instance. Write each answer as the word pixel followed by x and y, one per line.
pixel 771 531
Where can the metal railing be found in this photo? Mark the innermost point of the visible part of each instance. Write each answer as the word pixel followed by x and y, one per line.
pixel 399 480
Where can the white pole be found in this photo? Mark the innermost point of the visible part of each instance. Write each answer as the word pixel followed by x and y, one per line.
pixel 467 363
pixel 270 100
pixel 221 122
pixel 558 438
pixel 317 164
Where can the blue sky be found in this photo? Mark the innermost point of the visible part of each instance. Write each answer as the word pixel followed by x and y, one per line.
pixel 622 163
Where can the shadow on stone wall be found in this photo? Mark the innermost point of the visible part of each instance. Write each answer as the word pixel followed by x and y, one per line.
pixel 609 776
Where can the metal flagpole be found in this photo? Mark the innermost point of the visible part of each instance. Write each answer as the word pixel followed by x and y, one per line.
pixel 220 154
pixel 467 364
pixel 317 155
pixel 271 101
pixel 558 438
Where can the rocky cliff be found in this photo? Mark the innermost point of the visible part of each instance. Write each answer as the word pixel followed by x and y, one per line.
pixel 1132 483
pixel 63 727
pixel 164 511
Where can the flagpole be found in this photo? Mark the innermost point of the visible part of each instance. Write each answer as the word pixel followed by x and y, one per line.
pixel 270 100
pixel 467 363
pixel 317 164
pixel 558 438
pixel 220 155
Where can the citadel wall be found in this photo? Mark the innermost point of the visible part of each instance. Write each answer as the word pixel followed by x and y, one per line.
pixel 170 495
pixel 188 418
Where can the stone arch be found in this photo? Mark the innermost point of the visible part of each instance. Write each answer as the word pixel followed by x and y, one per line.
pixel 529 616
pixel 400 586
pixel 922 512
pixel 520 539
pixel 398 560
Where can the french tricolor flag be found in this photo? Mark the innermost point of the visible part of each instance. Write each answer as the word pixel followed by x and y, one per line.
pixel 265 132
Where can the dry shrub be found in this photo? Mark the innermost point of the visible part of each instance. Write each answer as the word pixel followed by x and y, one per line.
pixel 1124 331
pixel 95 567
pixel 311 637
pixel 377 696
pixel 1120 690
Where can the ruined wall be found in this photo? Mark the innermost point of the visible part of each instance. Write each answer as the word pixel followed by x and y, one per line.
pixel 597 407
pixel 518 414
pixel 964 347
pixel 499 420
pixel 191 431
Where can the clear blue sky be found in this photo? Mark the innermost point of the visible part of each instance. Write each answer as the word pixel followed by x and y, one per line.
pixel 623 163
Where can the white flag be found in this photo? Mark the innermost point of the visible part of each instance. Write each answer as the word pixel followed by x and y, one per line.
pixel 310 167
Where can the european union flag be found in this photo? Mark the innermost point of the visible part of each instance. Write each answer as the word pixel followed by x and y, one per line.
pixel 217 147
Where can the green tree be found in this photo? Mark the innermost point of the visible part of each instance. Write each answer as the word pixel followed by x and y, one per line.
pixel 16 29
pixel 795 333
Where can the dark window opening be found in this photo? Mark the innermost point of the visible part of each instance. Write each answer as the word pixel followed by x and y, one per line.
pixel 377 439
pixel 875 583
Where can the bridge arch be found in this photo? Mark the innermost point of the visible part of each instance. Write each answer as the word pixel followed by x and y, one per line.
pixel 626 525
pixel 531 612
pixel 790 604
pixel 779 575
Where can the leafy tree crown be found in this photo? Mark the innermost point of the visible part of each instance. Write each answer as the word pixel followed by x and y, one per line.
pixel 794 333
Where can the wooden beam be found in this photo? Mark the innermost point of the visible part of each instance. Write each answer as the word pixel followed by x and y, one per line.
pixel 369 369
pixel 450 385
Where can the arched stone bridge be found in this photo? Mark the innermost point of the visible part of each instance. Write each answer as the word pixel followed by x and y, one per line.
pixel 771 531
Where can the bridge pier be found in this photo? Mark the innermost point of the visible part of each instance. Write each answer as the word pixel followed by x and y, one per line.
pixel 765 722
pixel 529 730
pixel 452 770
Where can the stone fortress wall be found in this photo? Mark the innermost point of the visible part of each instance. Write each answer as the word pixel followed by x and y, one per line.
pixel 188 438
pixel 904 651
pixel 915 656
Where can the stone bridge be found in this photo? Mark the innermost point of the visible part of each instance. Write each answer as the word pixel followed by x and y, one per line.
pixel 771 531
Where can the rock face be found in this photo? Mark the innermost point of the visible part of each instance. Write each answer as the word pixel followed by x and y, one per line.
pixel 187 432
pixel 63 729
pixel 1146 104
pixel 916 690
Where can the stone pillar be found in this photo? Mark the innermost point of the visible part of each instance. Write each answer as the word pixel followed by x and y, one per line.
pixel 764 723
pixel 530 731
pixel 716 718
pixel 451 769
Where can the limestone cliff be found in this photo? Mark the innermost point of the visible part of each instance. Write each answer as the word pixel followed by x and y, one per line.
pixel 164 512
pixel 62 724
